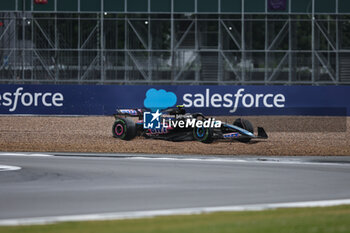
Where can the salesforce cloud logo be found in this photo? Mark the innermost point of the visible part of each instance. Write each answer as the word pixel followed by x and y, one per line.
pixel 159 99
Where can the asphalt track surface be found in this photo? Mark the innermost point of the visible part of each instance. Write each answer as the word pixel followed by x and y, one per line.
pixel 85 184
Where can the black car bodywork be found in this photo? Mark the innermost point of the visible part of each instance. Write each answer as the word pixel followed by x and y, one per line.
pixel 129 123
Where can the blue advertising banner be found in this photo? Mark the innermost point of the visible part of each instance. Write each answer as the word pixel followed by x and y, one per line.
pixel 210 100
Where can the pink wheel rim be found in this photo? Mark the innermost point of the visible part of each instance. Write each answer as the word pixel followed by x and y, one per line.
pixel 119 129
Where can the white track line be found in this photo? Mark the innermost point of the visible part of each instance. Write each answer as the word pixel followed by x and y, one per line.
pixel 25 154
pixel 155 213
pixel 4 168
pixel 263 160
pixel 234 160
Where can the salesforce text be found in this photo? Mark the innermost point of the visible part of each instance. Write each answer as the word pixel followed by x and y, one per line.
pixel 27 99
pixel 248 100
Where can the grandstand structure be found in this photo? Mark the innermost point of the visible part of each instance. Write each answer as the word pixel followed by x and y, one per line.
pixel 224 42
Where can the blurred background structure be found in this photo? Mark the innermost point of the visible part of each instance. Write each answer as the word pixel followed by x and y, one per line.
pixel 221 42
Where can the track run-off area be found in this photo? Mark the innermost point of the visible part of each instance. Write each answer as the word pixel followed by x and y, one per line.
pixel 58 187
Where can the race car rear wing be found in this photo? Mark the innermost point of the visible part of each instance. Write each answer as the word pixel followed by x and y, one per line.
pixel 137 112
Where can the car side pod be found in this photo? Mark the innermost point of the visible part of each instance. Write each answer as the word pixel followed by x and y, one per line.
pixel 262 133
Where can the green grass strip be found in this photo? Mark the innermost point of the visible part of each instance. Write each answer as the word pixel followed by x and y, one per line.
pixel 298 220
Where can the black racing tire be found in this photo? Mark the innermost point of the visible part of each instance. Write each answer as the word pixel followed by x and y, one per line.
pixel 124 128
pixel 244 124
pixel 202 134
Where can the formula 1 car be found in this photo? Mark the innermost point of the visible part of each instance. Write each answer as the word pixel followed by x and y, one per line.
pixel 177 125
